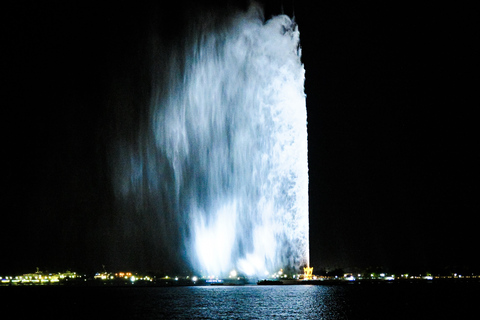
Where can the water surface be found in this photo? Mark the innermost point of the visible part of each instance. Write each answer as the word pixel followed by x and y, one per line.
pixel 384 301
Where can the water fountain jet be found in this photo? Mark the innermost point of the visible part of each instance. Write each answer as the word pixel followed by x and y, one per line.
pixel 223 155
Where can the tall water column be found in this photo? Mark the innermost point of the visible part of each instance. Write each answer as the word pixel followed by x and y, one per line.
pixel 222 157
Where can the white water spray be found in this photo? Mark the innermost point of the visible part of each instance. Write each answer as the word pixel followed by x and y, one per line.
pixel 227 146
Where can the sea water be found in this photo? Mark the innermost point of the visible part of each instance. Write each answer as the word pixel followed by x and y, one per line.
pixel 349 301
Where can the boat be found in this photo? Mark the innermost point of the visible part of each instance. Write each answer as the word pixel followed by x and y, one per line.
pixel 269 282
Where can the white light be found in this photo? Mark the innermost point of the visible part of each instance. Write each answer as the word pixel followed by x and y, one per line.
pixel 231 127
pixel 194 279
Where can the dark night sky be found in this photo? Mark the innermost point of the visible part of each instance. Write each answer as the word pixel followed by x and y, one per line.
pixel 392 147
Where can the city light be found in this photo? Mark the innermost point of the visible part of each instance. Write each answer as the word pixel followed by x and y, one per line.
pixel 281 277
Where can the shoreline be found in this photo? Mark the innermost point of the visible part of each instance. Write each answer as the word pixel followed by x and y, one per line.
pixel 183 283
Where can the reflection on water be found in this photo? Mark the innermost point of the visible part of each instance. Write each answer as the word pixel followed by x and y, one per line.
pixel 385 301
pixel 301 302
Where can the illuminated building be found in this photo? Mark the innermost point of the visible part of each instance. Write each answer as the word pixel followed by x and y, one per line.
pixel 307 273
